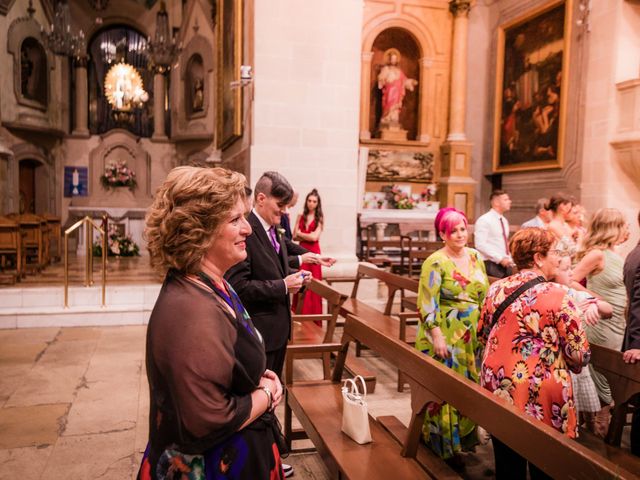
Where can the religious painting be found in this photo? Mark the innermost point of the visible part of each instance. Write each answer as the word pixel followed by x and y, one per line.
pixel 229 108
pixel 399 166
pixel 76 182
pixel 531 89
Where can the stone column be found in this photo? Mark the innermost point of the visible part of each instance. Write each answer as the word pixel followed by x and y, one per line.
pixel 458 97
pixel 365 89
pixel 158 104
pixel 423 124
pixel 457 188
pixel 81 126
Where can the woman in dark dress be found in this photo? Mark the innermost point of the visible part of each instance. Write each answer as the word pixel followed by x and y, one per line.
pixel 211 398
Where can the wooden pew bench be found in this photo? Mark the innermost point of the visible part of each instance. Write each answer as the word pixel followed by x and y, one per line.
pixel 318 407
pixel 400 325
pixel 624 380
pixel 305 330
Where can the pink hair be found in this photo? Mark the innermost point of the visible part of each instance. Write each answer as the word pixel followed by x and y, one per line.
pixel 447 219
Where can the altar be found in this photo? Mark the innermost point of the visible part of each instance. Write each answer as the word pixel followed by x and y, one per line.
pixel 417 219
pixel 128 221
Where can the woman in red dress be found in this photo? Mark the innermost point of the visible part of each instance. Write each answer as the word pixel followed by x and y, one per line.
pixel 307 230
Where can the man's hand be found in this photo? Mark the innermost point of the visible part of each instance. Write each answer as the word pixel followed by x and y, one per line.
pixel 632 355
pixel 506 262
pixel 295 281
pixel 317 259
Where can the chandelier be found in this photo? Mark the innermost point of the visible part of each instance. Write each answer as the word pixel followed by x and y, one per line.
pixel 163 47
pixel 124 91
pixel 60 40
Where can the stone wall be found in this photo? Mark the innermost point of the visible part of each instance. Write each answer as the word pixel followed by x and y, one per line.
pixel 307 85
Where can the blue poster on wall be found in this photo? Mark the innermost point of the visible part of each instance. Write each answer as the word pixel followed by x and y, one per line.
pixel 76 182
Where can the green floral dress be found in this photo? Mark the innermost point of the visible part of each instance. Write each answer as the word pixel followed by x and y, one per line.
pixel 450 300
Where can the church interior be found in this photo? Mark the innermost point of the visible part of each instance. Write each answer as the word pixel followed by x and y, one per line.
pixel 391 109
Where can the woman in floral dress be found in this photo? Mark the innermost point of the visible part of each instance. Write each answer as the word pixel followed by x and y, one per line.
pixel 533 345
pixel 453 284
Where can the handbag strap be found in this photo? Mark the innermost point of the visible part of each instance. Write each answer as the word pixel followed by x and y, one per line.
pixel 353 386
pixel 514 296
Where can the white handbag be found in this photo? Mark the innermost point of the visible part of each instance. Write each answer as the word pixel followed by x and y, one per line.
pixel 355 417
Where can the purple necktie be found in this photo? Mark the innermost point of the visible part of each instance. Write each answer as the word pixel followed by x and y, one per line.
pixel 274 240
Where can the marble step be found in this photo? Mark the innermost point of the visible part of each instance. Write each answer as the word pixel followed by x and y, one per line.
pixel 44 306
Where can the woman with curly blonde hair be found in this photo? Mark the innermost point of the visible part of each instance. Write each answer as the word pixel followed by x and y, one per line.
pixel 603 268
pixel 211 397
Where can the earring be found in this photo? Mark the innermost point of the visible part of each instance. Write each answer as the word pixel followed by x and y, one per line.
pixel 539 265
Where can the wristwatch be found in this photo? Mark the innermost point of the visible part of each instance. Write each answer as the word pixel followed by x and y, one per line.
pixel 269 396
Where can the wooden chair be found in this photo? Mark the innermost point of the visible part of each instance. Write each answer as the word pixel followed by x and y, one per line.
pixel 11 250
pixel 34 228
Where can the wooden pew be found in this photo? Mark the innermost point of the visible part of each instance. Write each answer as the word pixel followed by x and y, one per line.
pixel 318 406
pixel 35 239
pixel 11 249
pixel 393 324
pixel 304 329
pixel 624 380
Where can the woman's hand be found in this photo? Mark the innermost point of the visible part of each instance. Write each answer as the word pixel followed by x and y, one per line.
pixel 272 382
pixel 590 312
pixel 439 343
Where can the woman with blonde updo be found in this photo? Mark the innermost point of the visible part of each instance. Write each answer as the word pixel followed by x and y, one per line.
pixel 211 397
pixel 603 268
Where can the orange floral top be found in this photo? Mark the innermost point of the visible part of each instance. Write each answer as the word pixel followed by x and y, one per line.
pixel 528 353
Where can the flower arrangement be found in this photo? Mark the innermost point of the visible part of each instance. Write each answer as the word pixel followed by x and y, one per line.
pixel 397 198
pixel 119 245
pixel 118 175
pixel 429 192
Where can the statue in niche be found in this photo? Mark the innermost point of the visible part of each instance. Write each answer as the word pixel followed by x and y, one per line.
pixel 197 103
pixel 33 70
pixel 394 83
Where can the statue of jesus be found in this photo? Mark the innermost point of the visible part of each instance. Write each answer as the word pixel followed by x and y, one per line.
pixel 393 83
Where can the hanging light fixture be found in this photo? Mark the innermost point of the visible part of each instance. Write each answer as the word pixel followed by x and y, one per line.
pixel 163 47
pixel 60 40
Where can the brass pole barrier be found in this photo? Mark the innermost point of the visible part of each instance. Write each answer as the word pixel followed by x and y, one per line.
pixel 88 264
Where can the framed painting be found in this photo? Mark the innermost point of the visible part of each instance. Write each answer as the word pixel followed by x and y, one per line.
pixel 229 53
pixel 76 181
pixel 531 89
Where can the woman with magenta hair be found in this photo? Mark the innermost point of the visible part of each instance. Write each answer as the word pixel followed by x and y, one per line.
pixel 453 284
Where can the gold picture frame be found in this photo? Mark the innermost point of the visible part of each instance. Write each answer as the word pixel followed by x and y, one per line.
pixel 531 89
pixel 229 58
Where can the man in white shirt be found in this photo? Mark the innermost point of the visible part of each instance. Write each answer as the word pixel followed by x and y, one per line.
pixel 543 216
pixel 491 236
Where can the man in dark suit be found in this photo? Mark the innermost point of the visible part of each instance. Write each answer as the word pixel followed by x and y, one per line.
pixel 631 345
pixel 264 279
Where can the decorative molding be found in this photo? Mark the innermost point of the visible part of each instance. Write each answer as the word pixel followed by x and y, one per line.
pixel 5 6
pixel 460 7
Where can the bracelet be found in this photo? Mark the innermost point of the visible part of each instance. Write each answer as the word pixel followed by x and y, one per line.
pixel 269 396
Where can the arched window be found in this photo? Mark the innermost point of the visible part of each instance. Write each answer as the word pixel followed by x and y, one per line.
pixel 108 47
pixel 33 71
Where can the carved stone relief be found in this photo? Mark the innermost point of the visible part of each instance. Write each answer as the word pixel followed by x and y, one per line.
pixel 118 146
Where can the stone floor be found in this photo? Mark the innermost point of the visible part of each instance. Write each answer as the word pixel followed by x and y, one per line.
pixel 74 404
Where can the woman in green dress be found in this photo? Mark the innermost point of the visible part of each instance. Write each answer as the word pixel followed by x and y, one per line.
pixel 453 284
pixel 599 263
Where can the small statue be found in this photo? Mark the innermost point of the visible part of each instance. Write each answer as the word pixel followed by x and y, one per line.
pixel 393 83
pixel 198 95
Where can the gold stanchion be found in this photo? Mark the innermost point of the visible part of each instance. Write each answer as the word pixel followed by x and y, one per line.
pixel 88 263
